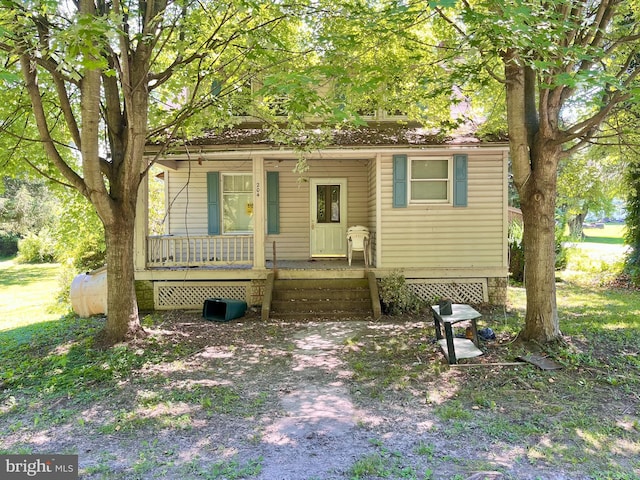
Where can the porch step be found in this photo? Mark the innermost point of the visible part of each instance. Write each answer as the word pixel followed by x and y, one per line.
pixel 331 299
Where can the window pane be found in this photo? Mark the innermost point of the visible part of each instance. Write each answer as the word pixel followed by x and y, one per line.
pixel 227 183
pixel 429 190
pixel 335 203
pixel 236 183
pixel 328 203
pixel 321 194
pixel 429 169
pixel 237 203
pixel 237 212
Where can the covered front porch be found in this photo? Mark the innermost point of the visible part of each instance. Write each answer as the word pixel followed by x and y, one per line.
pixel 251 212
pixel 225 252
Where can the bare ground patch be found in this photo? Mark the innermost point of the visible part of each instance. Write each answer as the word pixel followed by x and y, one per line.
pixel 328 400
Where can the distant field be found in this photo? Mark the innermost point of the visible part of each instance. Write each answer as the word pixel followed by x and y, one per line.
pixel 612 234
pixel 27 293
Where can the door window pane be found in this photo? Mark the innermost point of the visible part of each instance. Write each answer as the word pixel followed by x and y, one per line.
pixel 328 203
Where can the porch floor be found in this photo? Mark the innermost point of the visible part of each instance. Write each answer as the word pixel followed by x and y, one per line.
pixel 317 264
pixel 357 264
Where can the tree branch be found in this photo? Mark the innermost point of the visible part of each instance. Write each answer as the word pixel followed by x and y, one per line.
pixel 33 90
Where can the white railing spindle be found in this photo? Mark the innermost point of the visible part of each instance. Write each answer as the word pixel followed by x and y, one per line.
pixel 199 250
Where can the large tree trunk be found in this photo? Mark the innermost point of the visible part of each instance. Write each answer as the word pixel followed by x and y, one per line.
pixel 122 319
pixel 535 155
pixel 537 199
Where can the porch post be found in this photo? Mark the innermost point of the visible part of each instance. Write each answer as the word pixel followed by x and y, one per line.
pixel 259 206
pixel 378 187
pixel 141 226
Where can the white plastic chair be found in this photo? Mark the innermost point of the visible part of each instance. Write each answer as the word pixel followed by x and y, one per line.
pixel 358 240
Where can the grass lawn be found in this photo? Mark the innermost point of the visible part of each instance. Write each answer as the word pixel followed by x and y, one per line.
pixel 27 293
pixel 611 234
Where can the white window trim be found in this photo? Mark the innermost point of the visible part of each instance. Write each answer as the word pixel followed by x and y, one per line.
pixel 449 180
pixel 222 194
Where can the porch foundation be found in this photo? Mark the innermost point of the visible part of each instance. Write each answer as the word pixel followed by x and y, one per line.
pixel 256 291
pixel 144 295
pixel 497 290
pixel 472 291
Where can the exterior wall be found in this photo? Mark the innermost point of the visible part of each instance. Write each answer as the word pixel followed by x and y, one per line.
pixel 432 245
pixel 446 237
pixel 372 210
pixel 187 199
pixel 256 291
pixel 187 194
pixel 293 241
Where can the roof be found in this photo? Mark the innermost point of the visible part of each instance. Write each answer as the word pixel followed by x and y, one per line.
pixel 362 136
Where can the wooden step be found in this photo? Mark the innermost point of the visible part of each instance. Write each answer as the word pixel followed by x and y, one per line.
pixel 321 299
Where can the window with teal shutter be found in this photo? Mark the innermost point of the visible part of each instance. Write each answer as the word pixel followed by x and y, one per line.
pixel 399 181
pixel 460 180
pixel 273 203
pixel 213 202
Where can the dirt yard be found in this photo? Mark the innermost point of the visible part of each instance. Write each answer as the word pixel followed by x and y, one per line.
pixel 299 401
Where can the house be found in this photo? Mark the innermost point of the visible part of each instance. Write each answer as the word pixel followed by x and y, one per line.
pixel 238 209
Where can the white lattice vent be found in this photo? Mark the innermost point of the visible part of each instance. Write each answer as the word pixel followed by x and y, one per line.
pixel 473 292
pixel 191 295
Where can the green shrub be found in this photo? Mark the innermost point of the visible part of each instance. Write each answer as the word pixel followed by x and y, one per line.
pixel 80 235
pixel 516 251
pixel 562 254
pixel 36 248
pixel 8 245
pixel 396 296
pixel 89 252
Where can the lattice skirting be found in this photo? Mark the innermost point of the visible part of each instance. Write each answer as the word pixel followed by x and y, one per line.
pixel 460 291
pixel 191 295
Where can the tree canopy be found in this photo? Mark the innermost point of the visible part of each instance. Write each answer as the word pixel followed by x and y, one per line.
pixel 94 81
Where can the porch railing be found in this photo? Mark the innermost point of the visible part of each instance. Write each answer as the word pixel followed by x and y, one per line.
pixel 199 250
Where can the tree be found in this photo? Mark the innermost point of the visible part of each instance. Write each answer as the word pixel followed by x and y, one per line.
pixel 588 182
pixel 102 77
pixel 627 123
pixel 566 66
pixel 25 206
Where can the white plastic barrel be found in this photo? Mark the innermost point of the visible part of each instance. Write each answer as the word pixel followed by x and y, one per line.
pixel 89 293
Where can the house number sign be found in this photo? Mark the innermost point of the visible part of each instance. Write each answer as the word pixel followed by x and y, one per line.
pixel 257 189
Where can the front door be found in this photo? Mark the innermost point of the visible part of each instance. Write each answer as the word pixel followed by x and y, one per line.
pixel 328 217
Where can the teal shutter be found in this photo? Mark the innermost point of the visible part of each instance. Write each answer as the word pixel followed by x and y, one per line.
pixel 460 180
pixel 213 202
pixel 273 203
pixel 400 181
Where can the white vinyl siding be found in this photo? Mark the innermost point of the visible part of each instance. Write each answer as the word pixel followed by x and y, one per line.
pixel 187 197
pixel 420 236
pixel 187 194
pixel 431 235
pixel 293 241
